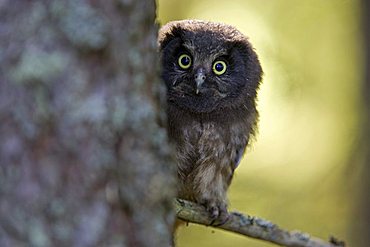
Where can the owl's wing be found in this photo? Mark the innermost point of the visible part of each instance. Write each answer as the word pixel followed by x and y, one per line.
pixel 239 155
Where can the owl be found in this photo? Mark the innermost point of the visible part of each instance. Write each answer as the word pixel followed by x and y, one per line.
pixel 212 75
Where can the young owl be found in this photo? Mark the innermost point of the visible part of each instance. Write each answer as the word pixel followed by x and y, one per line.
pixel 212 75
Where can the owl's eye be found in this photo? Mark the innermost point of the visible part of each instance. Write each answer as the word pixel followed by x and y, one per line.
pixel 219 67
pixel 184 61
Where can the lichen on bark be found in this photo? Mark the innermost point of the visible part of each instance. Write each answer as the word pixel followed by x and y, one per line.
pixel 83 160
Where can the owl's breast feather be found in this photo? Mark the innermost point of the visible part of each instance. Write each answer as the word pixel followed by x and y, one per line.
pixel 210 141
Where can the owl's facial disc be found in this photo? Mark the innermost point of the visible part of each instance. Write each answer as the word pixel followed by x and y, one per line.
pixel 208 66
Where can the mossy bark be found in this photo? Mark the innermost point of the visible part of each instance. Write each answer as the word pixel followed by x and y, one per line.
pixel 83 160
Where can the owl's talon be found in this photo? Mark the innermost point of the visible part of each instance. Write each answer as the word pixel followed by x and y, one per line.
pixel 221 220
pixel 217 212
pixel 214 212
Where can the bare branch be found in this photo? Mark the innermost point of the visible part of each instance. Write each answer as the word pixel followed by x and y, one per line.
pixel 251 226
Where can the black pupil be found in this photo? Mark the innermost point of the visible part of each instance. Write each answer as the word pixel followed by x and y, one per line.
pixel 185 60
pixel 219 66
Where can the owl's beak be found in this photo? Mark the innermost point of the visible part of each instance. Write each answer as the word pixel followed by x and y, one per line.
pixel 200 77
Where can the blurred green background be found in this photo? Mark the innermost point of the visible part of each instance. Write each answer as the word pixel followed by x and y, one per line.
pixel 301 171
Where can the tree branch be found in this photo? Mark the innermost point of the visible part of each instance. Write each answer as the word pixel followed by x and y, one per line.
pixel 251 226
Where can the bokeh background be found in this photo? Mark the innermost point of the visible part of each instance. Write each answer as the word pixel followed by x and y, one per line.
pixel 301 172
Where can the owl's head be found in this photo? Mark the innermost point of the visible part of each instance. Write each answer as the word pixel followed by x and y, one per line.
pixel 208 66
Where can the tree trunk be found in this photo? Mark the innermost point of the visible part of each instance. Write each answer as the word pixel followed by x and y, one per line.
pixel 366 125
pixel 361 229
pixel 83 161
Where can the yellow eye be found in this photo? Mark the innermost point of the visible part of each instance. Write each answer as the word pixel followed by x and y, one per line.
pixel 184 61
pixel 219 67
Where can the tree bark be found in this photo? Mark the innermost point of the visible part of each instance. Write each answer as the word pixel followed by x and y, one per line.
pixel 361 230
pixel 83 161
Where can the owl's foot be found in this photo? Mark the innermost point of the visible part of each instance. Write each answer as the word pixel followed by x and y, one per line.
pixel 217 212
